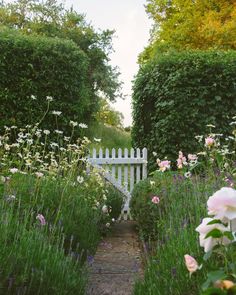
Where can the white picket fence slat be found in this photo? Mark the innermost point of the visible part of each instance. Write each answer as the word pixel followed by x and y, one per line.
pixel 121 168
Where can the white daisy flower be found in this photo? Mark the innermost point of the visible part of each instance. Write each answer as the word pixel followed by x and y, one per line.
pixel 80 179
pixel 83 126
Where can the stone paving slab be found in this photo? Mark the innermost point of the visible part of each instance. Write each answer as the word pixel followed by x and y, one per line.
pixel 117 263
pixel 119 244
pixel 105 284
pixel 127 266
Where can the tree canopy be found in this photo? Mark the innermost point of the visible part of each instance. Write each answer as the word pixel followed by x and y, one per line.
pixel 191 24
pixel 108 115
pixel 52 19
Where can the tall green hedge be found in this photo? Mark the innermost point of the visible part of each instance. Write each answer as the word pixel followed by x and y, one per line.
pixel 176 95
pixel 41 66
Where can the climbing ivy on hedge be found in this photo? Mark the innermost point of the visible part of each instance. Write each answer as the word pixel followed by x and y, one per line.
pixel 176 95
pixel 42 66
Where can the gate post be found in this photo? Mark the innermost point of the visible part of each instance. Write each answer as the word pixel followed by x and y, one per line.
pixel 145 155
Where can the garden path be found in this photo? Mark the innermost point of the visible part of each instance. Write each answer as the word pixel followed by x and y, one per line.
pixel 117 263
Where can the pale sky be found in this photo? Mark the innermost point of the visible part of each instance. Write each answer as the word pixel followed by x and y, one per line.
pixel 130 21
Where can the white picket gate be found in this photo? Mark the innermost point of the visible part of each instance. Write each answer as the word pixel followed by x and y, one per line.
pixel 122 168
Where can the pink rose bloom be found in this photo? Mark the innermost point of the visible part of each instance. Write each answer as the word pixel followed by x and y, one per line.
pixel 181 160
pixel 192 157
pixel 155 200
pixel 204 228
pixel 184 160
pixel 191 263
pixel 209 141
pixel 179 163
pixel 181 155
pixel 222 204
pixel 41 218
pixel 163 165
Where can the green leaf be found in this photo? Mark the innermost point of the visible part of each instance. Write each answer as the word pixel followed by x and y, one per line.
pixel 214 291
pixel 212 277
pixel 215 233
pixel 232 266
pixel 194 166
pixel 215 221
pixel 229 235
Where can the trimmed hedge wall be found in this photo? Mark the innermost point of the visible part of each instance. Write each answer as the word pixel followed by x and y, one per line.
pixel 42 66
pixel 176 95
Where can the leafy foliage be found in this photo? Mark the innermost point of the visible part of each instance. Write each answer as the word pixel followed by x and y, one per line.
pixel 50 18
pixel 41 66
pixel 177 95
pixel 108 115
pixel 183 25
pixel 143 210
pixel 79 66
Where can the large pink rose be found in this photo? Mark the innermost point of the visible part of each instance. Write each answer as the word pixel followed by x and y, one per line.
pixel 222 204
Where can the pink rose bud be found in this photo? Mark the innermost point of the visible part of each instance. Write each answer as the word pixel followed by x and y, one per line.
pixel 209 141
pixel 179 163
pixel 191 263
pixel 155 200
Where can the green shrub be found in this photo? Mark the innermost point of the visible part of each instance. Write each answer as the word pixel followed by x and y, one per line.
pixel 177 95
pixel 115 200
pixel 142 209
pixel 41 66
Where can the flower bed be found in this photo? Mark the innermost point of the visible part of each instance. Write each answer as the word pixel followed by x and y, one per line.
pixel 52 214
pixel 171 209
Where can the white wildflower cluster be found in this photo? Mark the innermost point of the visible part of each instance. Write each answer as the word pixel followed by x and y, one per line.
pixel 56 113
pixel 49 98
pixel 43 153
pixel 37 154
pixel 83 126
pixel 217 145
pixel 73 123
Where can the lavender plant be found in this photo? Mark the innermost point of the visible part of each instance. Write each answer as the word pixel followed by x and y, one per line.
pixel 169 207
pixel 52 211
